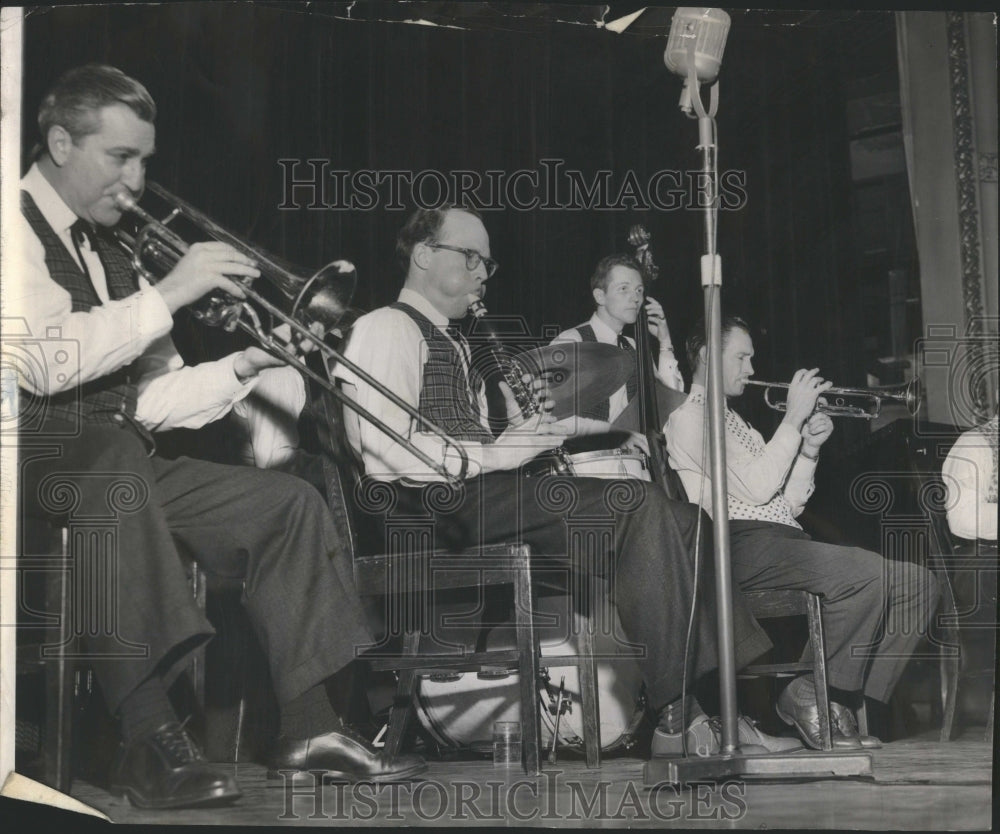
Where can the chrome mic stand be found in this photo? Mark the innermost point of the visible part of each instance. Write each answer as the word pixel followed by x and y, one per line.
pixel 730 762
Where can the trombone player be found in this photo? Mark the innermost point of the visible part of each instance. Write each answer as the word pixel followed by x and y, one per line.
pixel 271 530
pixel 875 611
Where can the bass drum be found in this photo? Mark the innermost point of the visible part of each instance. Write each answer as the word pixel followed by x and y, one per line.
pixel 458 709
pixel 609 463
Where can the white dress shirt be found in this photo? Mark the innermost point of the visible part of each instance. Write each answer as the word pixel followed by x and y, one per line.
pixel 968 471
pixel 766 481
pixel 389 345
pixel 110 335
pixel 667 368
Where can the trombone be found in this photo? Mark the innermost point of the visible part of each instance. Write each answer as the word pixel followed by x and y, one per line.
pixel 321 299
pixel 863 403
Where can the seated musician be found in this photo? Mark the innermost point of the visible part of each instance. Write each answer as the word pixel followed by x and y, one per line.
pixel 411 349
pixel 970 476
pixel 769 484
pixel 77 290
pixel 618 290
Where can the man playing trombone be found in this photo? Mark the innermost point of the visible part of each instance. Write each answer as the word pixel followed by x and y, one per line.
pixel 875 611
pixel 75 290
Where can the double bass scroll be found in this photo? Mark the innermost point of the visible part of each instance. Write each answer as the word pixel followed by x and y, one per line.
pixel 649 414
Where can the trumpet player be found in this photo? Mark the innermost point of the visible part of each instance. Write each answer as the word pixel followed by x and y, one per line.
pixel 104 379
pixel 875 611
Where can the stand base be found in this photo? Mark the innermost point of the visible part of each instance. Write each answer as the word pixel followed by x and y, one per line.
pixel 805 765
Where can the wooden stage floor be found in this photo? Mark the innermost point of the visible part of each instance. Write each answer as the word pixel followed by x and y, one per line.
pixel 917 784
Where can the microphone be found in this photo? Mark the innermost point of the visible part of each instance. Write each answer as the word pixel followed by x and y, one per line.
pixel 694 48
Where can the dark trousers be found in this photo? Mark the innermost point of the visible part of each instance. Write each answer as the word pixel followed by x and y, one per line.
pixel 626 532
pixel 130 515
pixel 875 611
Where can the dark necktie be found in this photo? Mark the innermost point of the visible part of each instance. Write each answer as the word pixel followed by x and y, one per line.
pixel 82 232
pixel 632 386
pixel 462 345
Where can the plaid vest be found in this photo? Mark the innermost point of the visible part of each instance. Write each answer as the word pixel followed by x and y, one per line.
pixel 99 400
pixel 447 397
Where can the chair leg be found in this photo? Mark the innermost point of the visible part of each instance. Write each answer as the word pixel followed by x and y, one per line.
pixel 402 705
pixel 59 674
pixel 587 667
pixel 528 666
pixel 200 593
pixel 818 642
pixel 950 664
pixel 863 717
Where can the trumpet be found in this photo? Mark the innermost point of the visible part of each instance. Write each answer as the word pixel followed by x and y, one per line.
pixel 863 403
pixel 317 303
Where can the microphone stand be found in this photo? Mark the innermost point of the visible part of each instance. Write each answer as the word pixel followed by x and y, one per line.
pixel 730 762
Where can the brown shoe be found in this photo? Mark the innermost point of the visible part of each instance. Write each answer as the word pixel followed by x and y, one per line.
pixel 843 725
pixel 797 706
pixel 343 756
pixel 165 769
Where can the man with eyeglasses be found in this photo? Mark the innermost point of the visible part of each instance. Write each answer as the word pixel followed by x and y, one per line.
pixel 649 562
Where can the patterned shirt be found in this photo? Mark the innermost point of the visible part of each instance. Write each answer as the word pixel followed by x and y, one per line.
pixel 766 481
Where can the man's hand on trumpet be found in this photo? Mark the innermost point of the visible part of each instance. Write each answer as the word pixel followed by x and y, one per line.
pixel 803 392
pixel 815 432
pixel 204 268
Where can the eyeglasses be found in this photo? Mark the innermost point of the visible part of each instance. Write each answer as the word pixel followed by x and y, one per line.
pixel 472 258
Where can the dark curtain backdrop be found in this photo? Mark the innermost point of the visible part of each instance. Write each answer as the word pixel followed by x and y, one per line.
pixel 240 86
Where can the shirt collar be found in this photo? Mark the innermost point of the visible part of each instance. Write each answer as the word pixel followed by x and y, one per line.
pixel 55 211
pixel 423 306
pixel 602 331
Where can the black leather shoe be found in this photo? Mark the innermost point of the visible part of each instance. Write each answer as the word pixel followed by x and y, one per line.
pixel 344 756
pixel 844 726
pixel 165 769
pixel 797 706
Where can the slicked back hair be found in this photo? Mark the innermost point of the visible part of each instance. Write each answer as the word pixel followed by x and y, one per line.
pixel 599 278
pixel 76 98
pixel 696 340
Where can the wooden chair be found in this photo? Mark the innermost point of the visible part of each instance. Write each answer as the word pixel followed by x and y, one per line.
pixel 58 655
pixel 790 603
pixel 415 573
pixel 418 575
pixel 52 655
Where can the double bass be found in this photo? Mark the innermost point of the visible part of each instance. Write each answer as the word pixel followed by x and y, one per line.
pixel 654 400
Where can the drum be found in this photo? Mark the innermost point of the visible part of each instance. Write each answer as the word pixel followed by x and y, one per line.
pixel 609 463
pixel 459 709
